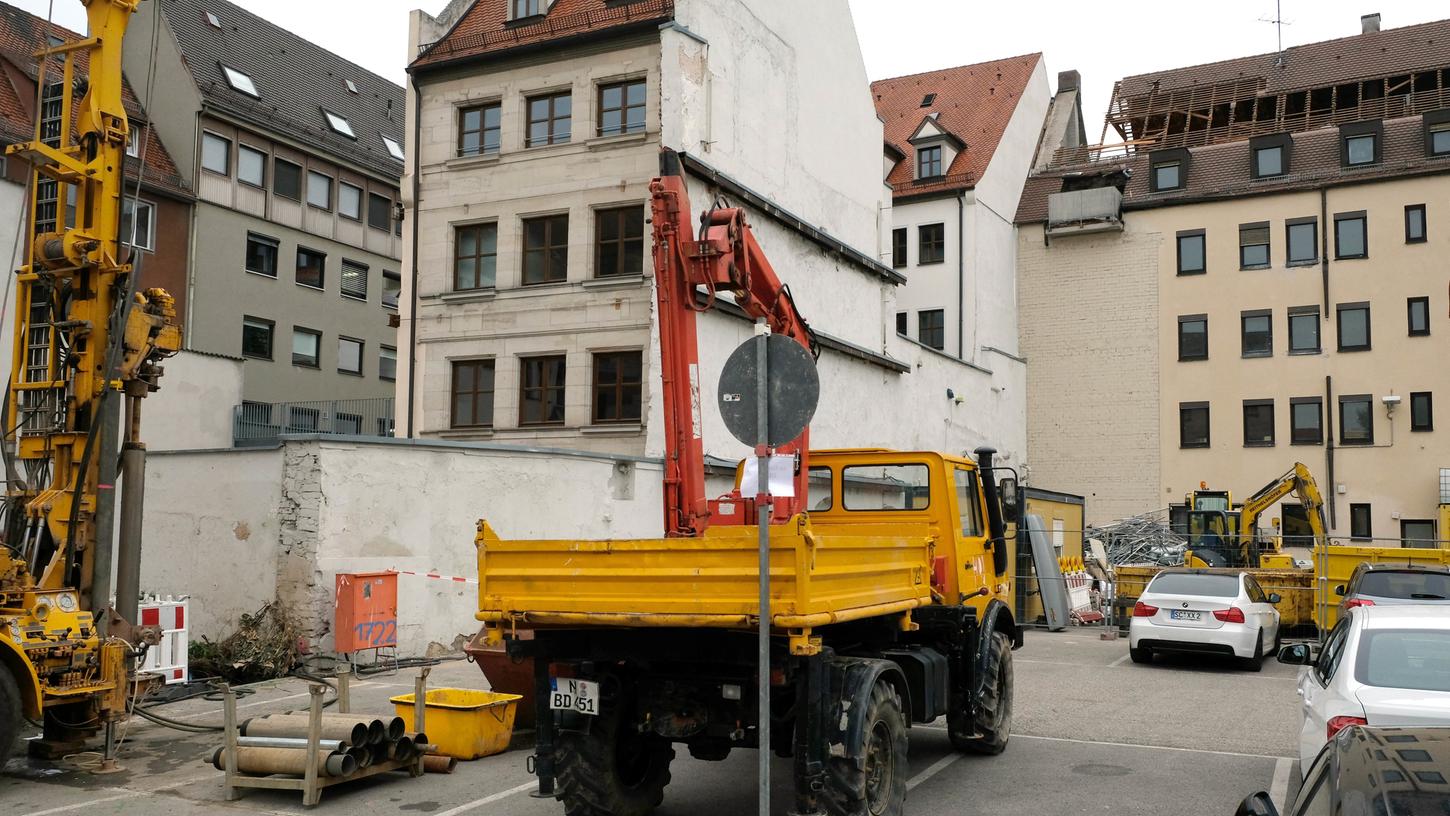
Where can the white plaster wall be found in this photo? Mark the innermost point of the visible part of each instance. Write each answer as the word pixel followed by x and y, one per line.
pixel 193 410
pixel 12 208
pixel 210 531
pixel 934 285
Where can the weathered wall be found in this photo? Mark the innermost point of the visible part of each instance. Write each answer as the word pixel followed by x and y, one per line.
pixel 12 226
pixel 1090 332
pixel 211 532
pixel 193 409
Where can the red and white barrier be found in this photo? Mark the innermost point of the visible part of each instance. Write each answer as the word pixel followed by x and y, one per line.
pixel 458 579
pixel 169 657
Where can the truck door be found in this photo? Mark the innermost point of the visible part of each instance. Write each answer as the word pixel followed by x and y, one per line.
pixel 971 523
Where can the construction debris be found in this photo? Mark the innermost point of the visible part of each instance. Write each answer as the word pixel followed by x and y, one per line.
pixel 1144 539
pixel 264 647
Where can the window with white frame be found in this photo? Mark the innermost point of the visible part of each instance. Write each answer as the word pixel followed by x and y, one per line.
pixel 240 81
pixel 138 223
pixel 339 124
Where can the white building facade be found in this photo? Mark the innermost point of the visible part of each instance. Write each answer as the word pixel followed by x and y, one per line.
pixel 528 301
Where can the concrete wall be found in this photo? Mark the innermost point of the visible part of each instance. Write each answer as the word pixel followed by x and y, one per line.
pixel 12 250
pixel 211 531
pixel 281 523
pixel 1088 307
pixel 193 409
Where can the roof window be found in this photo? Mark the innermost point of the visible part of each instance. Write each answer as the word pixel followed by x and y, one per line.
pixel 240 81
pixel 211 20
pixel 339 124
pixel 351 88
pixel 394 149
pixel 928 100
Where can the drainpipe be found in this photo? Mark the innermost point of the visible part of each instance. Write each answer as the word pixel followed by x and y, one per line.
pixel 1324 246
pixel 1331 488
pixel 413 291
pixel 961 274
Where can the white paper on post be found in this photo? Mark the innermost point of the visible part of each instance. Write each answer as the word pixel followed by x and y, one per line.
pixel 782 476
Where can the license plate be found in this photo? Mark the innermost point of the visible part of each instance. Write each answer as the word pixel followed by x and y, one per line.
pixel 1184 614
pixel 568 694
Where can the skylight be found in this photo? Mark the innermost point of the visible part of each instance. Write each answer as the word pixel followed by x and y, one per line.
pixel 926 101
pixel 394 149
pixel 211 20
pixel 351 88
pixel 339 124
pixel 240 81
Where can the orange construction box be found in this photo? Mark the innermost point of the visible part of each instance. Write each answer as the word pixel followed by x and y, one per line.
pixel 366 616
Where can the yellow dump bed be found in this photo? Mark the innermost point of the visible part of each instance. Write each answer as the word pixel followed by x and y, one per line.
pixel 819 574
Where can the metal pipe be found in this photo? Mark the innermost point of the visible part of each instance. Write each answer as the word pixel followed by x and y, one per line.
pixel 413 272
pixel 363 754
pixel 1331 491
pixel 295 726
pixel 434 763
pixel 290 742
pixel 128 552
pixel 762 507
pixel 394 729
pixel 290 761
pixel 103 561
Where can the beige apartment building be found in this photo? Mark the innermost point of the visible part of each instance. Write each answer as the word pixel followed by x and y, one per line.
pixel 1257 277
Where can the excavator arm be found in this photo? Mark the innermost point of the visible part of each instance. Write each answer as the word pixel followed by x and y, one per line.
pixel 1299 481
pixel 691 271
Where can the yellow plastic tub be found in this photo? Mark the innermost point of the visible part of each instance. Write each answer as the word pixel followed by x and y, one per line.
pixel 463 723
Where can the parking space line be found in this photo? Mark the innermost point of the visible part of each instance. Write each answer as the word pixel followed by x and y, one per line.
pixel 936 768
pixel 1279 788
pixel 90 803
pixel 1120 661
pixel 488 800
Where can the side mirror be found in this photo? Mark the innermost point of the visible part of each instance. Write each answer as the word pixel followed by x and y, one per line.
pixel 1295 655
pixel 1258 804
pixel 1274 598
pixel 1339 590
pixel 1007 489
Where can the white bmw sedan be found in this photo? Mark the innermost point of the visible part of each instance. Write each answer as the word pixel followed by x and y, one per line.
pixel 1204 611
pixel 1380 666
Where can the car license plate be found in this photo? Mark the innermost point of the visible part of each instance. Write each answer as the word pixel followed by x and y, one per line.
pixel 1184 614
pixel 568 694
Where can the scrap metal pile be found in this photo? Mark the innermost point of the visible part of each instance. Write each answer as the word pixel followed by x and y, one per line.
pixel 1145 539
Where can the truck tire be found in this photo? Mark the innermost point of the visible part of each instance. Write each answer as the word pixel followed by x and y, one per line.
pixel 989 734
pixel 611 771
pixel 9 715
pixel 877 787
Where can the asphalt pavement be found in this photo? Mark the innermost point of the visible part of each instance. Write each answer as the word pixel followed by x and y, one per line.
pixel 1093 734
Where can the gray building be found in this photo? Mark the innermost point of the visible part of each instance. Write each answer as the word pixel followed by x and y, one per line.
pixel 295 156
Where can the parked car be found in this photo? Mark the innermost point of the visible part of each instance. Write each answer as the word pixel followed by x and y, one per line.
pixel 1371 772
pixel 1204 611
pixel 1380 666
pixel 1384 584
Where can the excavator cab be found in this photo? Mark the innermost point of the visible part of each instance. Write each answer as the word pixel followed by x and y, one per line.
pixel 1212 539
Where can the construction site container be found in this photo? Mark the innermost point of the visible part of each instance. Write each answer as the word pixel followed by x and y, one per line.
pixel 1334 564
pixel 464 723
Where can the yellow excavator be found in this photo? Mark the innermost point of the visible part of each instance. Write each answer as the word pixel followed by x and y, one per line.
pixel 1221 535
pixel 85 336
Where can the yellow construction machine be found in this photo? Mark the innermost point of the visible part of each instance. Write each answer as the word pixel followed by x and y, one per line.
pixel 85 336
pixel 1221 535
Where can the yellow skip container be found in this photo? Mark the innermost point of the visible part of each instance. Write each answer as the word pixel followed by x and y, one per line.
pixel 463 723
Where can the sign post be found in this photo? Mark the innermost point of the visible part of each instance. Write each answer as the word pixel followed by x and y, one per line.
pixel 762 510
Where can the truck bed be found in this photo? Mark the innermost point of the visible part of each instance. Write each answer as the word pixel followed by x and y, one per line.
pixel 820 574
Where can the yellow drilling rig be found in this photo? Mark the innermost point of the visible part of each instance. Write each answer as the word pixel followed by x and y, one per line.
pixel 86 336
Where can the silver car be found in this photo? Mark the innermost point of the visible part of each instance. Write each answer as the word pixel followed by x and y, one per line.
pixel 1392 584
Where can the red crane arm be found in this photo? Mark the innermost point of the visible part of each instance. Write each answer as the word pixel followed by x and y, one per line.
pixel 724 257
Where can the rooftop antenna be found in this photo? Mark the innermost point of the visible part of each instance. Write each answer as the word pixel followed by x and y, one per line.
pixel 1279 23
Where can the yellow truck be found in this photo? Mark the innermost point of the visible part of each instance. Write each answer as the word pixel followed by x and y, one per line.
pixel 890 591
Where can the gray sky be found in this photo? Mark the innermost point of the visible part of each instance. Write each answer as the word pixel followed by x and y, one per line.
pixel 1103 41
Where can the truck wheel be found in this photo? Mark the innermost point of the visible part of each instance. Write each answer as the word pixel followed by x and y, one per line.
pixel 9 714
pixel 612 771
pixel 877 786
pixel 989 734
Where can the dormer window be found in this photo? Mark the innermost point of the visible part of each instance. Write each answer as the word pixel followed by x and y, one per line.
pixel 928 162
pixel 394 149
pixel 1361 144
pixel 525 8
pixel 1168 170
pixel 1269 155
pixel 240 81
pixel 133 142
pixel 339 124
pixel 1437 133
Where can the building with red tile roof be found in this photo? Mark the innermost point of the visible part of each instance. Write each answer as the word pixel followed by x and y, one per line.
pixel 1254 275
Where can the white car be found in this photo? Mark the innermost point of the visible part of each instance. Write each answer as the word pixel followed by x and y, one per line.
pixel 1204 611
pixel 1381 666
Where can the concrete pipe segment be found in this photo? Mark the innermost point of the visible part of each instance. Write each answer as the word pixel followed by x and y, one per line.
pixel 289 761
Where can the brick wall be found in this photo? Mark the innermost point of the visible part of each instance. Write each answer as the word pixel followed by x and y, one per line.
pixel 1088 322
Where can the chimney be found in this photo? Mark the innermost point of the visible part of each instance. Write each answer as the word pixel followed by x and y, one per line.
pixel 1369 23
pixel 1068 81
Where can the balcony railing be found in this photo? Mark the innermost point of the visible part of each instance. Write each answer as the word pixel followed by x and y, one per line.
pixel 262 423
